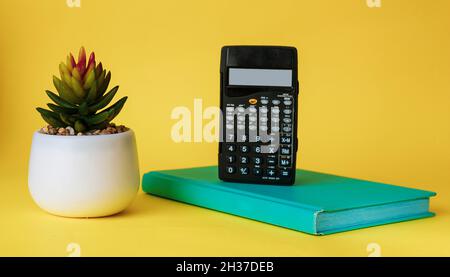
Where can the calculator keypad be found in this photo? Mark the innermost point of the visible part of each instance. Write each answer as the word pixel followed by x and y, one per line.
pixel 256 158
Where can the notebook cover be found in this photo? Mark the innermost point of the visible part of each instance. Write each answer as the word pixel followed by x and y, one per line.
pixel 295 207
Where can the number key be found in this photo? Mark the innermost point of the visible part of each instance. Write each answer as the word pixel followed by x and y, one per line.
pixel 258 149
pixel 231 159
pixel 231 148
pixel 230 169
pixel 244 149
pixel 243 160
pixel 257 160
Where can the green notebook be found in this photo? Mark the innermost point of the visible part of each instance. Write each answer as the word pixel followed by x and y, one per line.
pixel 317 203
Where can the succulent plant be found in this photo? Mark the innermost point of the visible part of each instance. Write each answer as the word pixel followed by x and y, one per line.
pixel 81 101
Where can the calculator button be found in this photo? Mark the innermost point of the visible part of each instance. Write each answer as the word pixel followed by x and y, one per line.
pixel 230 126
pixel 252 118
pixel 257 160
pixel 252 127
pixel 241 118
pixel 287 111
pixel 230 117
pixel 241 127
pixel 264 101
pixel 275 110
pixel 263 119
pixel 242 138
pixel 231 159
pixel 252 109
pixel 257 171
pixel 252 101
pixel 271 139
pixel 271 161
pixel 240 109
pixel 271 172
pixel 285 151
pixel 275 129
pixel 231 169
pixel 287 129
pixel 285 140
pixel 263 110
pixel 275 119
pixel 287 120
pixel 285 162
pixel 230 109
pixel 257 149
pixel 243 160
pixel 244 149
pixel 276 102
pixel 285 173
pixel 263 128
pixel 231 148
pixel 243 170
pixel 272 149
pixel 287 102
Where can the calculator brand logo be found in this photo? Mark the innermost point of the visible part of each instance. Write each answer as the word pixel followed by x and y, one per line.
pixel 240 125
pixel 373 3
pixel 73 3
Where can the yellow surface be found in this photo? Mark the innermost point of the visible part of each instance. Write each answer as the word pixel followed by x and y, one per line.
pixel 375 104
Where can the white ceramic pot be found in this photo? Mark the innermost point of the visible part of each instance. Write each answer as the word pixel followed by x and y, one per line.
pixel 84 176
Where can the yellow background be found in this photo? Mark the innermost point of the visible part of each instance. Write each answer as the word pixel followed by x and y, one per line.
pixel 375 104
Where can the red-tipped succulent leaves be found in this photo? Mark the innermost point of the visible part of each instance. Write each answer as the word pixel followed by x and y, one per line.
pixel 81 97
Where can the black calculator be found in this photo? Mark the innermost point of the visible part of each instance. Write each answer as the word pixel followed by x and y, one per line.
pixel 259 100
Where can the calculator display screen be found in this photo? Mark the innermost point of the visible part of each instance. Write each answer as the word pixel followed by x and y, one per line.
pixel 260 77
